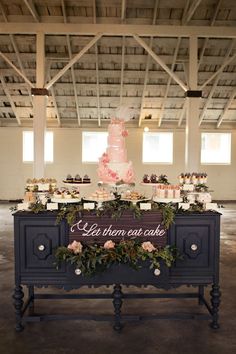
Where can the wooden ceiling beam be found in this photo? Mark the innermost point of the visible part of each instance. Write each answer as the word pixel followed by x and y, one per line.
pixel 31 7
pixel 17 70
pixel 160 62
pixel 97 68
pixel 72 67
pixel 216 76
pixel 190 12
pixel 226 108
pixel 14 45
pixel 147 66
pixel 123 12
pixel 7 93
pixel 109 29
pixel 73 60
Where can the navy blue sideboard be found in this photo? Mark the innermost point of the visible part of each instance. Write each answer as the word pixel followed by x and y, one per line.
pixel 196 236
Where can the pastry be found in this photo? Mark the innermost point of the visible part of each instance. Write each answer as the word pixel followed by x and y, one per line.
pixel 69 178
pixel 146 179
pixel 86 179
pixel 153 178
pixel 77 179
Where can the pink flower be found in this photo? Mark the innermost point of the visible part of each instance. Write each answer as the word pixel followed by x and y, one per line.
pixel 105 159
pixel 75 246
pixel 148 246
pixel 109 245
pixel 129 177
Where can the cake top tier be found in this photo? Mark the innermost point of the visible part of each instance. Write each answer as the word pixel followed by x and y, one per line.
pixel 117 128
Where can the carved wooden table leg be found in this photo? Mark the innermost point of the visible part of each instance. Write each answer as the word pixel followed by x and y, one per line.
pixel 117 303
pixel 31 297
pixel 215 301
pixel 18 303
pixel 200 294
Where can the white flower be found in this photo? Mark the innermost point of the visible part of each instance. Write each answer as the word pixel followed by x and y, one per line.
pixel 109 244
pixel 148 246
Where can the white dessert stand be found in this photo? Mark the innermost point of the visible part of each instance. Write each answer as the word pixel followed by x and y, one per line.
pixel 65 200
pixel 77 185
pixel 98 201
pixel 116 187
pixel 68 184
pixel 167 200
pixel 135 201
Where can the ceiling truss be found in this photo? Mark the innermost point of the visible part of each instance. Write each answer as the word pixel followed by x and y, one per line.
pixel 103 54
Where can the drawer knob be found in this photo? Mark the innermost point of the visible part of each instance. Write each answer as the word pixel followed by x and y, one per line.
pixel 78 271
pixel 41 248
pixel 157 272
pixel 194 247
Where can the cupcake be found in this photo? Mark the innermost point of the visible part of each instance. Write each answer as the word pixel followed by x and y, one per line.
pixel 153 178
pixel 76 193
pixel 67 195
pixel 86 179
pixel 146 179
pixel 57 194
pixel 69 178
pixel 78 179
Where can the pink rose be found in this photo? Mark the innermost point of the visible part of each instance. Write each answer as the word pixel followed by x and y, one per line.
pixel 75 246
pixel 129 177
pixel 105 159
pixel 148 246
pixel 109 245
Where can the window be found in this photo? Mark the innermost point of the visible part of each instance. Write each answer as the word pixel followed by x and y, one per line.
pixel 28 146
pixel 216 148
pixel 94 144
pixel 158 148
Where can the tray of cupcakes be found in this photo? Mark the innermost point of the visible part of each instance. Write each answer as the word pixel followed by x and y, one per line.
pixel 77 180
pixel 63 195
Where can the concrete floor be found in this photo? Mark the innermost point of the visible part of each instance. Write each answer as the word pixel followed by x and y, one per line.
pixel 149 337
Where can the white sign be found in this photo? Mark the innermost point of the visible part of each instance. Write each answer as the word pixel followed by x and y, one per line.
pixel 23 206
pixel 211 206
pixel 52 206
pixel 184 206
pixel 89 206
pixel 145 206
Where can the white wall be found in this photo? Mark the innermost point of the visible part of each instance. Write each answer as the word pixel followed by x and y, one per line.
pixel 67 159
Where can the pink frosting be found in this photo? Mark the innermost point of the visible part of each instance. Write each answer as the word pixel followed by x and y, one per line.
pixel 116 153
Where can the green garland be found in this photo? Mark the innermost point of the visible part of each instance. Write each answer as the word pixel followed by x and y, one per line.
pixel 115 209
pixel 96 258
pixel 69 212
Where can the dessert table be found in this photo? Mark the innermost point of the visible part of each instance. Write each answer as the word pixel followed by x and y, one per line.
pixel 36 236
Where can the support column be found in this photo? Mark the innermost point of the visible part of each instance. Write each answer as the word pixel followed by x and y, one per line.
pixel 192 131
pixel 39 109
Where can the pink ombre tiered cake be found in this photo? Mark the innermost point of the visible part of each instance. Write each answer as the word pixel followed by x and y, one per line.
pixel 113 165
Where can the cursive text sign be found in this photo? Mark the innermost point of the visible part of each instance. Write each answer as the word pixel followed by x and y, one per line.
pixel 91 228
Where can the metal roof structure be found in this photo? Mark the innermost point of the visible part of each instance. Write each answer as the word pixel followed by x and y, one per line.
pixel 102 54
